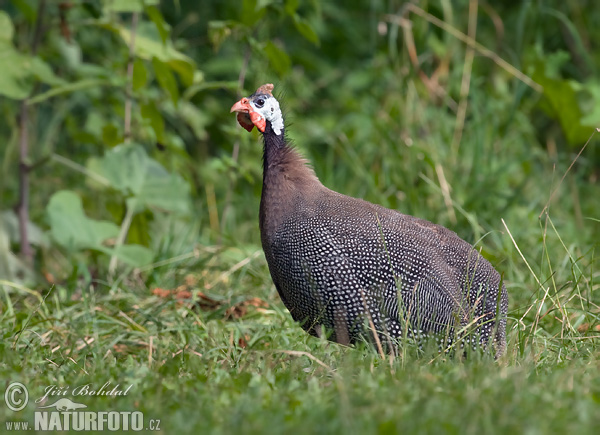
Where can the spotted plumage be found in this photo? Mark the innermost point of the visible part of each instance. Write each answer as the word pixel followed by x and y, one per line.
pixel 347 268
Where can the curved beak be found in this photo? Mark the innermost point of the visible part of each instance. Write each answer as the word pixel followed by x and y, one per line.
pixel 243 110
pixel 242 106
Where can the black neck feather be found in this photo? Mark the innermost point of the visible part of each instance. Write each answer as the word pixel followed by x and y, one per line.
pixel 275 146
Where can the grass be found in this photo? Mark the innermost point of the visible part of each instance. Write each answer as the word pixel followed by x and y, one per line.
pixel 230 360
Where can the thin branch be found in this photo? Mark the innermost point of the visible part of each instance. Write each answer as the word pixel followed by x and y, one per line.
pixel 129 86
pixel 112 266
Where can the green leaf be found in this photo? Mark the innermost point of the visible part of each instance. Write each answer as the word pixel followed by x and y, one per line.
pixel 164 192
pixel 278 58
pixel 561 103
pixel 147 48
pixel 71 228
pixel 110 135
pixel 291 6
pixel 140 75
pixel 306 29
pixel 158 20
pixel 6 28
pixel 185 70
pixel 144 181
pixel 19 73
pixel 590 104
pixel 252 11
pixel 13 83
pixel 151 114
pixel 166 79
pixel 124 166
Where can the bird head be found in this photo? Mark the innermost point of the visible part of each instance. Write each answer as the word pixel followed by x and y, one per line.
pixel 258 109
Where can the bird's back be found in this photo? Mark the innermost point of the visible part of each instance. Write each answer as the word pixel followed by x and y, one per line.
pixel 340 263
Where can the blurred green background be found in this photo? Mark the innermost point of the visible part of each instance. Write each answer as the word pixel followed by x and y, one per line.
pixel 123 172
pixel 458 112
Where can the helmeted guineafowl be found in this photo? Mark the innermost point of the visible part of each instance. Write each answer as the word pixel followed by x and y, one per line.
pixel 346 268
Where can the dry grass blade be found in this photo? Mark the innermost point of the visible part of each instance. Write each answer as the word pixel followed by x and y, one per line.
pixel 470 42
pixel 306 354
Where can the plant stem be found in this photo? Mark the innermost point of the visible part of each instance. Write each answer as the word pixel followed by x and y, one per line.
pixel 23 205
pixel 24 169
pixel 112 266
pixel 127 137
pixel 129 88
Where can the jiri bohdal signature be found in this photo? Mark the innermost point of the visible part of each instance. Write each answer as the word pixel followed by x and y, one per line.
pixel 84 390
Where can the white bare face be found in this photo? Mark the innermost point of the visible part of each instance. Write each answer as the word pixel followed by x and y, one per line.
pixel 268 107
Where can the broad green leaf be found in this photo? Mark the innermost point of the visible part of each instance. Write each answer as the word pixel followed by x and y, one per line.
pixel 148 49
pixel 158 20
pixel 124 166
pixel 291 6
pixel 20 71
pixel 44 73
pixel 185 70
pixel 252 11
pixel 166 79
pixel 562 104
pixel 13 83
pixel 140 75
pixel 111 135
pixel 6 28
pixel 278 58
pixel 71 228
pixel 306 29
pixel 151 114
pixel 165 192
pixel 590 104
pixel 141 179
